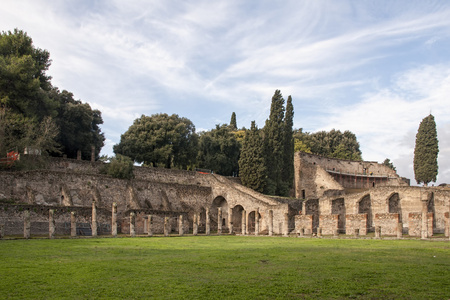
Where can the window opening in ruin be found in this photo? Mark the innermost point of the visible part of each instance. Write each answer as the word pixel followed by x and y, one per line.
pixel 223 222
pixel 373 184
pixel 303 194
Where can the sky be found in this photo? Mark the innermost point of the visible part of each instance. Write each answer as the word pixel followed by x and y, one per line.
pixel 376 68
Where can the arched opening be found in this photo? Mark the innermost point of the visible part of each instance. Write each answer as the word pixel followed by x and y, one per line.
pixel 365 207
pixel 237 218
pixel 394 205
pixel 338 208
pixel 251 222
pixel 219 202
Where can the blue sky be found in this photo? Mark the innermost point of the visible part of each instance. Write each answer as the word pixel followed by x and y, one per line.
pixel 376 68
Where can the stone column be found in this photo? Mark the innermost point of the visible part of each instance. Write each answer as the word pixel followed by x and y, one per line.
pixel 2 231
pixel 270 222
pixel 424 229
pixel 302 232
pixel 94 219
pixel 208 223
pixel 243 223
pixel 166 226
pixel 246 222
pixel 399 230
pixel 377 232
pixel 132 221
pixel 219 220
pixel 26 224
pixel 286 225
pixel 257 221
pixel 180 226
pixel 230 220
pixel 149 225
pixel 356 234
pixel 79 155
pixel 114 220
pixel 195 225
pixel 73 224
pixel 51 224
pixel 92 153
pixel 304 207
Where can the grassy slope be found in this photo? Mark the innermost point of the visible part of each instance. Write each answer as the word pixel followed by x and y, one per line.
pixel 224 267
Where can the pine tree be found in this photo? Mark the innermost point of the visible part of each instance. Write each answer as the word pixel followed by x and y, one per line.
pixel 287 174
pixel 252 168
pixel 233 123
pixel 274 144
pixel 426 152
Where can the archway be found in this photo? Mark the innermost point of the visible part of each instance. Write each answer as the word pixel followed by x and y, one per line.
pixel 338 208
pixel 251 222
pixel 394 205
pixel 365 207
pixel 219 202
pixel 238 210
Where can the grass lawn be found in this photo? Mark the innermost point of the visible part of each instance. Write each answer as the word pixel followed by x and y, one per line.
pixel 224 267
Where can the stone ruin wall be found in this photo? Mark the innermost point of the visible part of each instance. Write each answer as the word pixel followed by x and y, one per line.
pixel 160 192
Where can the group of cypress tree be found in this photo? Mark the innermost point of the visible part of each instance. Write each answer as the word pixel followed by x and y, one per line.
pixel 266 163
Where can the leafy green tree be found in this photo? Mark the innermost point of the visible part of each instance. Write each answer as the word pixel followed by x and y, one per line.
pixel 233 123
pixel 274 144
pixel 79 125
pixel 120 167
pixel 252 167
pixel 219 151
pixel 387 162
pixel 426 152
pixel 160 140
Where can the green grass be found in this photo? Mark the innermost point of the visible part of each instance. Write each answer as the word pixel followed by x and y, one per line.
pixel 224 267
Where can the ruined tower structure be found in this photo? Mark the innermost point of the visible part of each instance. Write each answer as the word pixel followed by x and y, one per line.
pixel 359 196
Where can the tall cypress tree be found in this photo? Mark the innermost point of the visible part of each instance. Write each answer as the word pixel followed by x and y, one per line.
pixel 287 174
pixel 426 152
pixel 233 123
pixel 274 144
pixel 252 168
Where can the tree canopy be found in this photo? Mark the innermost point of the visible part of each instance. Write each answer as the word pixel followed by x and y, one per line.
pixel 426 152
pixel 160 140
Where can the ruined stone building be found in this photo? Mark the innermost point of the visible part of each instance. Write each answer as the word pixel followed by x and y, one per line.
pixel 331 197
pixel 348 195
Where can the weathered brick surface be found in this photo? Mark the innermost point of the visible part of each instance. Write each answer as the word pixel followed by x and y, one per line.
pixel 304 221
pixel 415 224
pixel 388 223
pixel 356 221
pixel 328 223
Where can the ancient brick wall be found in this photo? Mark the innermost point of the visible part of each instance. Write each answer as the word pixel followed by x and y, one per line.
pixel 356 221
pixel 388 223
pixel 305 222
pixel 415 224
pixel 328 223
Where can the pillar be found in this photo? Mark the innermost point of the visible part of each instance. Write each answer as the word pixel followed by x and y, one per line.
pixel 399 230
pixel 286 225
pixel 79 155
pixel 166 226
pixel 219 220
pixel 257 221
pixel 356 234
pixel 195 225
pixel 132 221
pixel 377 232
pixel 2 231
pixel 150 225
pixel 26 224
pixel 302 232
pixel 73 224
pixel 51 223
pixel 244 223
pixel 230 220
pixel 180 226
pixel 270 222
pixel 424 229
pixel 114 220
pixel 304 208
pixel 92 153
pixel 94 219
pixel 208 223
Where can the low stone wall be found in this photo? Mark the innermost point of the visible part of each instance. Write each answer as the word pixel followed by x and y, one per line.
pixel 304 222
pixel 328 224
pixel 356 221
pixel 415 224
pixel 388 223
